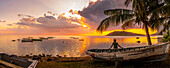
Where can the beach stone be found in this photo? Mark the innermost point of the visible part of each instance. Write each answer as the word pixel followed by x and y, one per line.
pixel 30 53
pixel 65 55
pixel 49 59
pixel 34 58
pixel 48 55
pixel 38 58
pixel 43 55
pixel 39 55
pixel 59 56
pixel 27 55
pixel 41 60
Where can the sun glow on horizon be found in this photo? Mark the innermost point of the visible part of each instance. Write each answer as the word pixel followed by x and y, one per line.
pixel 94 0
pixel 137 31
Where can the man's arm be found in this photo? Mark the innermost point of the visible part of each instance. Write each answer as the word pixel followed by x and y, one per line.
pixel 120 46
pixel 111 46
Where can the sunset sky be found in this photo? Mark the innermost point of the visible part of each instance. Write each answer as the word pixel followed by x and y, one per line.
pixel 55 17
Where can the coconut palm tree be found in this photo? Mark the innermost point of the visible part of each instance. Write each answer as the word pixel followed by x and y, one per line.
pixel 146 13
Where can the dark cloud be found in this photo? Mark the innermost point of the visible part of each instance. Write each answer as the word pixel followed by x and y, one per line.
pixel 94 12
pixel 50 13
pixel 9 24
pixel 25 15
pixel 47 19
pixel 33 20
pixel 2 21
pixel 49 24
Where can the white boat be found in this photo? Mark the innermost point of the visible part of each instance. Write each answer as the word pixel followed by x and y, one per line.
pixel 26 40
pixel 43 38
pixel 150 53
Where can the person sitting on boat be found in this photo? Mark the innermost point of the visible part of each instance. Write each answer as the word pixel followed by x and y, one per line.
pixel 115 45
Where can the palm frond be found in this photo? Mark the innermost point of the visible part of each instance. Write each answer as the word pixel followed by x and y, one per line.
pixel 163 10
pixel 127 2
pixel 114 20
pixel 128 23
pixel 112 12
pixel 167 1
pixel 155 24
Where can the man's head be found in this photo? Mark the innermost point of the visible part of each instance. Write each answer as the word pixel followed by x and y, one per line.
pixel 114 40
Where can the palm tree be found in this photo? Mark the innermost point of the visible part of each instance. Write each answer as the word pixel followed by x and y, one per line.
pixel 146 13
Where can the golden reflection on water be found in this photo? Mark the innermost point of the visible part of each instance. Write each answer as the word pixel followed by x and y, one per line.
pixel 125 42
pixel 70 47
pixel 133 40
pixel 85 45
pixel 100 40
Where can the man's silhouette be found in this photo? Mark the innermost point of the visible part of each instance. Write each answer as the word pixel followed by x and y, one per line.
pixel 115 45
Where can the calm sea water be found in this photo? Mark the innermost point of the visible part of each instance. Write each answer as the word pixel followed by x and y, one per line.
pixel 64 45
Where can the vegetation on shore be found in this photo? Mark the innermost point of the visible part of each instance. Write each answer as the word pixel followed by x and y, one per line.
pixel 166 37
pixel 123 33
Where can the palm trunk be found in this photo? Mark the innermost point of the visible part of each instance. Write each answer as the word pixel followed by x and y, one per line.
pixel 147 34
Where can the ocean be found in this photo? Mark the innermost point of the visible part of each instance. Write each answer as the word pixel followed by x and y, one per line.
pixel 71 46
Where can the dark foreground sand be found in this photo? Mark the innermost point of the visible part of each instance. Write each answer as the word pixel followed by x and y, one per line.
pixel 86 62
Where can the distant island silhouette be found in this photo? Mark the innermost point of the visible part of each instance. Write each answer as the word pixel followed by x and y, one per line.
pixel 123 33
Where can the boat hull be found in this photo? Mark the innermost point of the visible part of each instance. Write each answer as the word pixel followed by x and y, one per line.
pixel 147 53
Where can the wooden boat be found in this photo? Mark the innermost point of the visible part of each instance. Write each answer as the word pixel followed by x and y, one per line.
pixel 74 37
pixel 26 40
pixel 145 53
pixel 81 39
pixel 50 37
pixel 43 38
pixel 36 39
pixel 13 40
